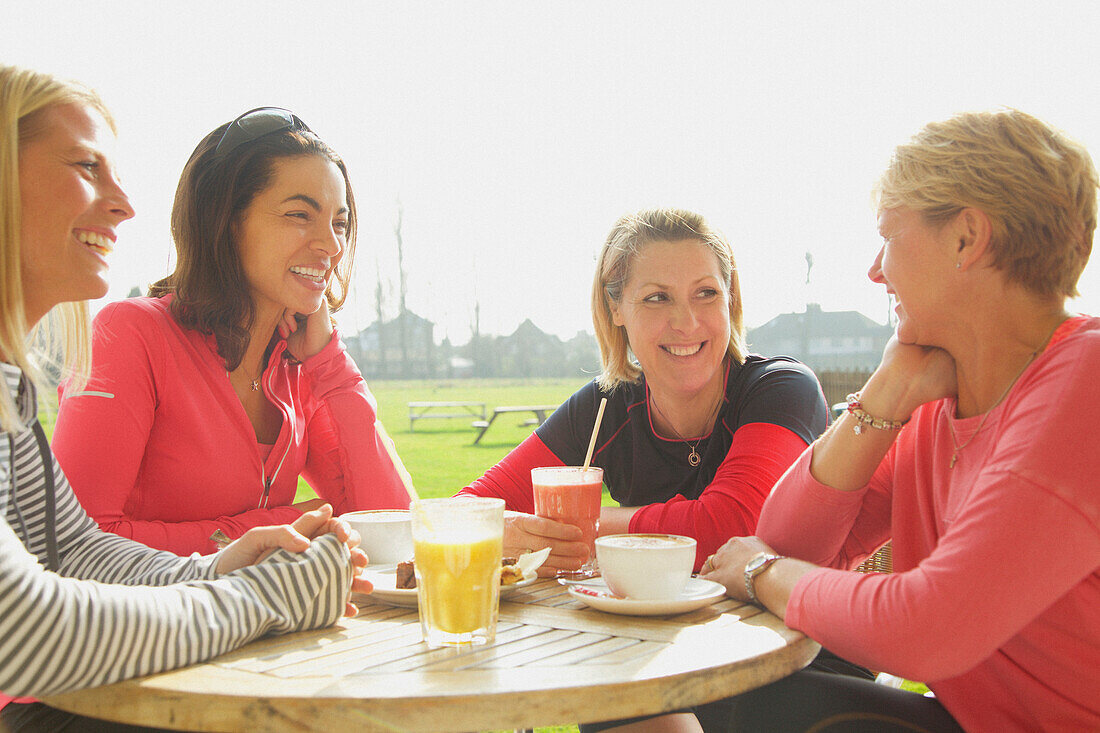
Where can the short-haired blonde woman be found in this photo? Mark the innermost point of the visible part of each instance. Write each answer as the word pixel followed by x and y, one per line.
pixel 696 429
pixel 74 611
pixel 973 447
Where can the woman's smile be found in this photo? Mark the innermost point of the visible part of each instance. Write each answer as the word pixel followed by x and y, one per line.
pixel 313 276
pixel 97 242
pixel 675 308
pixel 691 350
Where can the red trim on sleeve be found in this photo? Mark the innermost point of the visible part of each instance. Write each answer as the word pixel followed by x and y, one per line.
pixel 730 506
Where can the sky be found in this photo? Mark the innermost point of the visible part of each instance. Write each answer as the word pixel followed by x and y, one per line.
pixel 512 135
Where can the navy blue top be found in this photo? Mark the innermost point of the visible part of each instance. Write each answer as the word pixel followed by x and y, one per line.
pixel 642 468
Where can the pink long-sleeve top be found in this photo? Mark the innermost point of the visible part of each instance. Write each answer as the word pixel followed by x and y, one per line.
pixel 158 447
pixel 995 598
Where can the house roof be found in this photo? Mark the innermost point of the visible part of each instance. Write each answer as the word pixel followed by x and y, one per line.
pixel 820 323
pixel 415 323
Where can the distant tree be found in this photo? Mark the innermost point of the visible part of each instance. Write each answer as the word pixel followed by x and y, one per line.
pixel 446 351
pixel 431 353
pixel 380 315
pixel 403 334
pixel 475 341
pixel 582 356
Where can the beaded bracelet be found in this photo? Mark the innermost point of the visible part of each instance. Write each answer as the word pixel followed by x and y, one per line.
pixel 855 409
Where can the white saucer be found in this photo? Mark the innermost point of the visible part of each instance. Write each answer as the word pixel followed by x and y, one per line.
pixel 384 580
pixel 697 593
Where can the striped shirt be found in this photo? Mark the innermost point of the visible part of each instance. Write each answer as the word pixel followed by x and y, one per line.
pixel 113 608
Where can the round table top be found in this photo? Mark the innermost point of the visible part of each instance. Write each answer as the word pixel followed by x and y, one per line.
pixel 555 661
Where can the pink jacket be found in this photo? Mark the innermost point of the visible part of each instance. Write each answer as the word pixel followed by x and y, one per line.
pixel 995 598
pixel 158 447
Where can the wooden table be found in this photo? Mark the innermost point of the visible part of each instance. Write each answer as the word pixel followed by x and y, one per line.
pixel 540 412
pixel 554 662
pixel 422 410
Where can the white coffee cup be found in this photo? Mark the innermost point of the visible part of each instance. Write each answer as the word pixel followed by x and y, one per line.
pixel 386 533
pixel 646 567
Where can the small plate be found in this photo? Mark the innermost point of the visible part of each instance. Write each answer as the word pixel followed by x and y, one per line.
pixel 697 593
pixel 384 580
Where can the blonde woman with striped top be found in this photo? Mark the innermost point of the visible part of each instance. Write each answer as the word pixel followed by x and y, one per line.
pixel 79 607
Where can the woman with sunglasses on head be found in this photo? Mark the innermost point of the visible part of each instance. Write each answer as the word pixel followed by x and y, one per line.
pixel 210 397
pixel 75 607
pixel 972 447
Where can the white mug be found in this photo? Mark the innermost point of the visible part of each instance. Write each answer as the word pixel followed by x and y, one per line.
pixel 386 533
pixel 646 567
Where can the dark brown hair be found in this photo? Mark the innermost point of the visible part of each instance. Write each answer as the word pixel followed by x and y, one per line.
pixel 211 293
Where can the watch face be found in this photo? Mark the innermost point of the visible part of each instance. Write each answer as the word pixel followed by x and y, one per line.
pixel 755 563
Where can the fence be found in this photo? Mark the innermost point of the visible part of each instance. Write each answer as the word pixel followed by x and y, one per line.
pixel 838 384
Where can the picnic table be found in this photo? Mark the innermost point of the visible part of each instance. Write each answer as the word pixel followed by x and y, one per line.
pixel 422 410
pixel 539 411
pixel 555 661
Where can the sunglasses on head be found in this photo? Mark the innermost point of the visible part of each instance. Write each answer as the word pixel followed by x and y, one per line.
pixel 256 123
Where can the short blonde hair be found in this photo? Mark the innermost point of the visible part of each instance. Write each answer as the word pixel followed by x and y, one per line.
pixel 626 240
pixel 24 96
pixel 1037 187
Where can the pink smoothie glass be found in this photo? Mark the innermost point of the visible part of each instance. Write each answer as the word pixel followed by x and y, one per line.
pixel 572 495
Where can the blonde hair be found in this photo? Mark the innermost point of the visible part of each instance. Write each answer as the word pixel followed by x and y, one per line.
pixel 627 238
pixel 1037 187
pixel 24 96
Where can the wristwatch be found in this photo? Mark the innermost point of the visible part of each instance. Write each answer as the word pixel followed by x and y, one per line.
pixel 758 564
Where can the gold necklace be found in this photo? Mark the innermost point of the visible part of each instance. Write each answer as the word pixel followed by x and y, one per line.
pixel 693 457
pixel 951 428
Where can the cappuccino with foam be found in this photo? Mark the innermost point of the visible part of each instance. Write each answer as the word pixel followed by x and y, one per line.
pixel 646 567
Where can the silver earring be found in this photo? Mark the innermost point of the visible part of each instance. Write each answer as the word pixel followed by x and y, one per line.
pixel 958 265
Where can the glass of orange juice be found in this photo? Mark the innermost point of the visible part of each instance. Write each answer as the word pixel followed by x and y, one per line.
pixel 571 494
pixel 458 544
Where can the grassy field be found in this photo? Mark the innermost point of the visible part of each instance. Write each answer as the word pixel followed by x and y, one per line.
pixel 440 454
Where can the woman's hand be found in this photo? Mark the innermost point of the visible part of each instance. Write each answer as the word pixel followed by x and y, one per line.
pixel 727 566
pixel 306 338
pixel 773 586
pixel 259 542
pixel 320 521
pixel 908 377
pixel 526 532
pixel 848 454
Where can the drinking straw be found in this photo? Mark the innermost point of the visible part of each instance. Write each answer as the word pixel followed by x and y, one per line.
pixel 595 431
pixel 402 472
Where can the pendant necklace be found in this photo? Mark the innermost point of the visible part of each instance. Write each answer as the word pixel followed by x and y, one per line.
pixel 693 457
pixel 954 443
pixel 254 384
